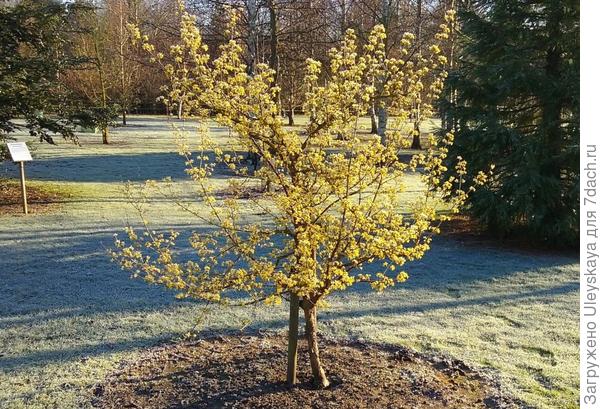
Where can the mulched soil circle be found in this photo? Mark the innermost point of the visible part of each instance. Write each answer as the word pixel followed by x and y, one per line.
pixel 249 372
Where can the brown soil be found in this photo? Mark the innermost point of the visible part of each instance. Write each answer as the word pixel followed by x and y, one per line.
pixel 38 200
pixel 249 371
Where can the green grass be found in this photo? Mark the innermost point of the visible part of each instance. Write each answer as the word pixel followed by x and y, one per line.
pixel 68 315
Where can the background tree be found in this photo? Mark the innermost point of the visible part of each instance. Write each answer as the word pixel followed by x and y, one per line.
pixel 34 38
pixel 127 69
pixel 92 83
pixel 329 213
pixel 421 18
pixel 515 103
pixel 159 20
pixel 110 82
pixel 303 35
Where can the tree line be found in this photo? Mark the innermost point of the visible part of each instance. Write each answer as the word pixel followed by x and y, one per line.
pixel 511 97
pixel 106 74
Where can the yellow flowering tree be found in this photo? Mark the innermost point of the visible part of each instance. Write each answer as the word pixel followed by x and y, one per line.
pixel 334 203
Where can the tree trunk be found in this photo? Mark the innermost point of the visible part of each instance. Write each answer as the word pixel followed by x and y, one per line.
pixel 318 372
pixel 382 114
pixel 254 160
pixel 104 100
pixel 382 117
pixel 373 120
pixel 416 142
pixel 343 18
pixel 180 109
pixel 293 340
pixel 252 39
pixel 274 58
pixel 290 115
pixel 449 123
pixel 122 42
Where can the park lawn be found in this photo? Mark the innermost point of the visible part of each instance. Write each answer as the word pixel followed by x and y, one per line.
pixel 68 316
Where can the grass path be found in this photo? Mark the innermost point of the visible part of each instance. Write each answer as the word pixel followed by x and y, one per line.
pixel 68 315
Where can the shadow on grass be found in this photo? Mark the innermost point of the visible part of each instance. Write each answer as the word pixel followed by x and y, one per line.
pixel 76 353
pixel 79 353
pixel 69 269
pixel 113 168
pixel 66 273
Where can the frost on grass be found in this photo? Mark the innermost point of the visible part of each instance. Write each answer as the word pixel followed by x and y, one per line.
pixel 67 315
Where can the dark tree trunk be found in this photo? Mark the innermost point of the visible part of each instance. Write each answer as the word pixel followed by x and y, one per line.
pixel 310 315
pixel 252 39
pixel 449 123
pixel 105 135
pixel 416 142
pixel 254 159
pixel 382 118
pixel 274 58
pixel 290 115
pixel 124 117
pixel 293 340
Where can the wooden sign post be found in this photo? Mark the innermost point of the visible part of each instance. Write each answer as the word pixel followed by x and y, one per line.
pixel 20 153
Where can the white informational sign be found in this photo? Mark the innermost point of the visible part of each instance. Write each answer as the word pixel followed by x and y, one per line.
pixel 19 151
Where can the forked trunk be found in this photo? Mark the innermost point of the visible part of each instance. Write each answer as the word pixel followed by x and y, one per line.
pixel 105 135
pixel 310 316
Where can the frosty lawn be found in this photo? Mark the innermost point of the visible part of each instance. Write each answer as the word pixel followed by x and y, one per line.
pixel 68 315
